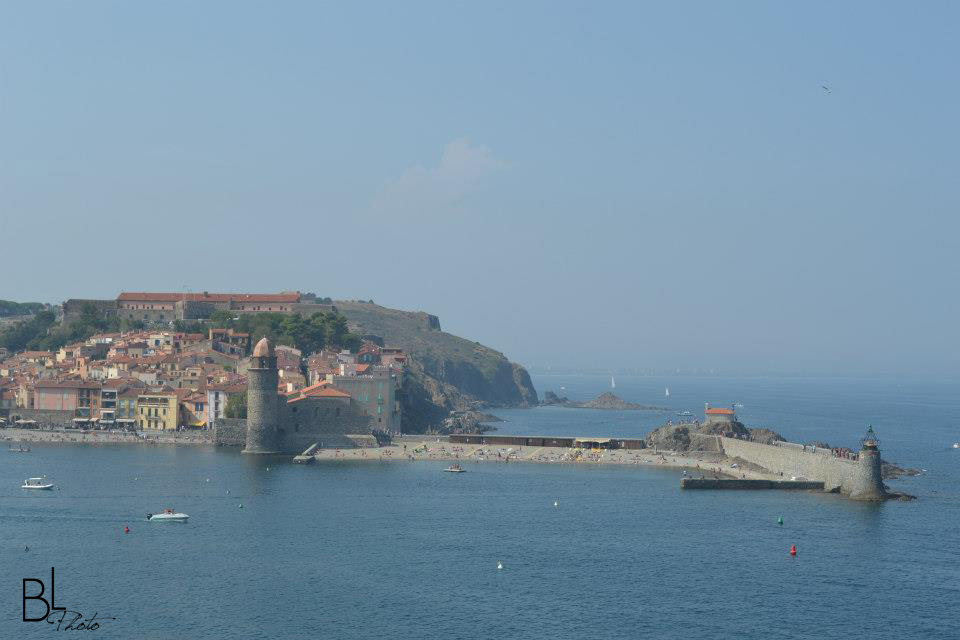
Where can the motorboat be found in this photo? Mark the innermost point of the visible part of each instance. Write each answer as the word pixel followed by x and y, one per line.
pixel 37 483
pixel 454 468
pixel 956 445
pixel 168 515
pixel 19 449
pixel 684 413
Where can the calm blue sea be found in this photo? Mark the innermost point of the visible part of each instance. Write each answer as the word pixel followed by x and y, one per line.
pixel 400 550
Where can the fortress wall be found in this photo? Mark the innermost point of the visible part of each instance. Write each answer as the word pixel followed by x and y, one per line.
pixel 303 423
pixel 231 432
pixel 791 460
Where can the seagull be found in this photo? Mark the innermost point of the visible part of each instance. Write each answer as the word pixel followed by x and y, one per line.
pixel 825 88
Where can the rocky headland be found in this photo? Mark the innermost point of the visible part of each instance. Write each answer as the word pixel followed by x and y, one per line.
pixel 448 378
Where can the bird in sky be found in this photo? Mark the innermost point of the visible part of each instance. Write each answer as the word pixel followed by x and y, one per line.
pixel 826 88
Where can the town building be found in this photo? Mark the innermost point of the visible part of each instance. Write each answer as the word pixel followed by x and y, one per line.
pixel 158 410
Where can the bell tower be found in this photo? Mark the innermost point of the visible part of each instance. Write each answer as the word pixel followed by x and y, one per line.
pixel 262 400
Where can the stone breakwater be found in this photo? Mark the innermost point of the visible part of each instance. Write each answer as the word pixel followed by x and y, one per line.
pixel 705 463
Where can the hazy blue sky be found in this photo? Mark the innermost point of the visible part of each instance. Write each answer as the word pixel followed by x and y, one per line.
pixel 593 184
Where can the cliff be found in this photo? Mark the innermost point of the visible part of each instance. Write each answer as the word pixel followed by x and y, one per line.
pixel 446 373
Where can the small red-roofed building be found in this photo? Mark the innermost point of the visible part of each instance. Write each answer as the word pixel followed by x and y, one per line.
pixel 717 415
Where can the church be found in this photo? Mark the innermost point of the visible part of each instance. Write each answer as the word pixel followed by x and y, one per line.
pixel 278 423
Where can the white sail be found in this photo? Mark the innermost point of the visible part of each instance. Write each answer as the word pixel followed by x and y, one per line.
pixel 613 383
pixel 667 392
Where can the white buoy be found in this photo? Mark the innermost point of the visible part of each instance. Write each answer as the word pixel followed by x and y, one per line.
pixel 228 491
pixel 556 504
pixel 208 479
pixel 499 565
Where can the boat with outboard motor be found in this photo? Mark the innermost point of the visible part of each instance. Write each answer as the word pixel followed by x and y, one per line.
pixel 37 483
pixel 168 515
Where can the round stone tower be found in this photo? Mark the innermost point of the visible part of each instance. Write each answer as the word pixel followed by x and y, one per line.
pixel 867 481
pixel 262 400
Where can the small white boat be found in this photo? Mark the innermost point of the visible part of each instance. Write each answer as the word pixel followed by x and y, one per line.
pixel 455 468
pixel 956 445
pixel 19 449
pixel 168 515
pixel 37 483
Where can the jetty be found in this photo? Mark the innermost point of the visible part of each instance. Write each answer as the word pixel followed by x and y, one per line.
pixel 730 464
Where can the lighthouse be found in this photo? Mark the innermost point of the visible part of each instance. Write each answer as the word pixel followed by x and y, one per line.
pixel 262 400
pixel 867 482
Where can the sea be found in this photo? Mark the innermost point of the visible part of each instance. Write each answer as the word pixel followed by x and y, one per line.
pixel 518 551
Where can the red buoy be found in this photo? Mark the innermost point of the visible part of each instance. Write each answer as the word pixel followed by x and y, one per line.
pixel 126 529
pixel 793 549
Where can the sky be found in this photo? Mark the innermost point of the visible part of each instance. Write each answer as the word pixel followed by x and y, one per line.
pixel 743 187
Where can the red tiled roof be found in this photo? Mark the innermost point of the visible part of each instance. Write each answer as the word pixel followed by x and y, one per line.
pixel 66 384
pixel 719 412
pixel 142 296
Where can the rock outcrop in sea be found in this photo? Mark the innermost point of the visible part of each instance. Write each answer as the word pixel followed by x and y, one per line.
pixel 605 400
pixel 693 437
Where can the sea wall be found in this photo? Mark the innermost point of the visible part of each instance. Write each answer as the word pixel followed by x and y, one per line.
pixel 47 417
pixel 794 460
pixel 231 432
pixel 711 483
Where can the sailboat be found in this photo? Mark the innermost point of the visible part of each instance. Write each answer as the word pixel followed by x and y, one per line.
pixel 667 392
pixel 613 383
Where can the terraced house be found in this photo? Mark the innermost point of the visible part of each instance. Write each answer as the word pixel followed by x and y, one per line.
pixel 158 410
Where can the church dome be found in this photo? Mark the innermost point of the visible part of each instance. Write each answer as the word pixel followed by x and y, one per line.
pixel 263 349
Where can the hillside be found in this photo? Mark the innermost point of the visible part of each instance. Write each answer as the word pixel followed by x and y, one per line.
pixel 9 308
pixel 447 373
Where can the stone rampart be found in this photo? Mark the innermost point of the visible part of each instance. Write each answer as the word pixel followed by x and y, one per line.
pixel 230 432
pixel 794 460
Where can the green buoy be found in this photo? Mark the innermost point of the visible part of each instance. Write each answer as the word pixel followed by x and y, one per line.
pixel 780 521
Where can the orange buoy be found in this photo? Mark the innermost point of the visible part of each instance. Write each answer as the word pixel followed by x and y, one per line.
pixel 793 549
pixel 126 529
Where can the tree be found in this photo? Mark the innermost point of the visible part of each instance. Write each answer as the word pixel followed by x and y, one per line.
pixel 236 406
